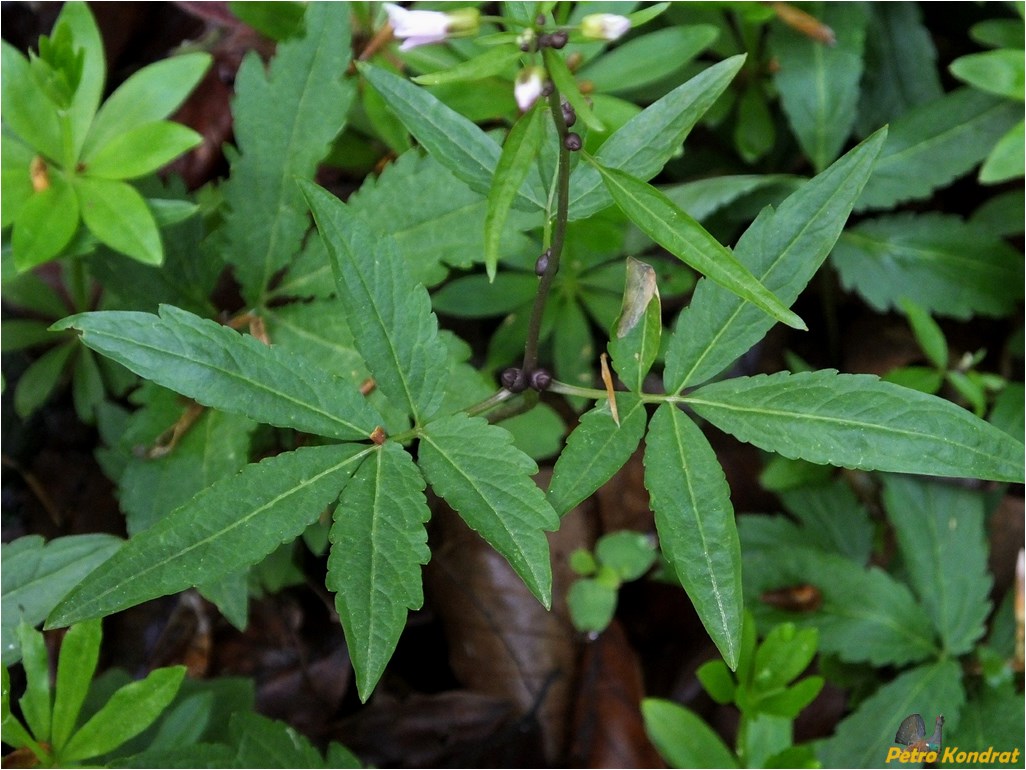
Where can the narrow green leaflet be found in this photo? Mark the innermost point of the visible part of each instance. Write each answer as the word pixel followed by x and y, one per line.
pixel 453 140
pixel 494 61
pixel 947 266
pixel 566 84
pixel 228 526
pixel 648 140
pixel 80 651
pixel 118 216
pixel 87 96
pixel 516 161
pixel 149 95
pixel 143 150
pixel 476 468
pixel 783 249
pixel 1007 159
pixel 26 110
pixel 378 544
pixel 686 239
pixel 46 223
pixel 863 738
pixel 936 142
pixel 682 737
pixel 857 421
pixel 390 316
pixel 37 702
pixel 999 72
pixel 129 711
pixel 285 121
pixel 900 67
pixel 218 367
pixel 595 450
pixel 37 575
pixel 819 84
pixel 695 522
pixel 940 533
pixel 634 340
pixel 865 616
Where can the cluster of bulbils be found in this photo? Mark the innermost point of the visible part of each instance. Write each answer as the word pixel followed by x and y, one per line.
pixel 515 380
pixel 416 28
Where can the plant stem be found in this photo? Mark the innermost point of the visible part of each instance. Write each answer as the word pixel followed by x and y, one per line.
pixel 559 235
pixel 597 394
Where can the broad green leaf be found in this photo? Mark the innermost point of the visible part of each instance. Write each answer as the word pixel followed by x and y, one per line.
pixel 940 532
pixel 650 138
pixel 26 110
pixel 1001 72
pixel 934 143
pixel 945 265
pixel 37 702
pixel 36 575
pixel 118 216
pixel 149 95
pixel 130 710
pixel 264 742
pixel 220 368
pixel 755 131
pixel 475 467
pixel 278 21
pixel 682 737
pixel 453 140
pixel 42 378
pixel 783 655
pixel 900 65
pixel 86 100
pixel 783 249
pixel 993 718
pixel 80 651
pixel 538 433
pixel 857 421
pixel 45 224
pixel 865 615
pixel 591 605
pixel 228 526
pixel 285 119
pixel 516 161
pixel 565 82
pixel 818 83
pixel 629 554
pixel 695 522
pixel 634 342
pixel 390 316
pixel 686 239
pixel 1007 159
pixel 15 177
pixel 832 519
pixel 704 197
pixel 494 61
pixel 378 544
pixel 1008 411
pixel 647 59
pixel 717 680
pixel 142 150
pixel 319 328
pixel 862 739
pixel 474 296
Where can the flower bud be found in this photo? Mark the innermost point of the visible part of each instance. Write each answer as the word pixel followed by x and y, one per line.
pixel 559 39
pixel 528 87
pixel 416 28
pixel 572 142
pixel 604 26
pixel 543 262
pixel 513 380
pixel 540 379
pixel 569 115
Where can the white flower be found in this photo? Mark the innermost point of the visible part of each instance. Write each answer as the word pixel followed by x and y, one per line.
pixel 605 26
pixel 424 27
pixel 528 87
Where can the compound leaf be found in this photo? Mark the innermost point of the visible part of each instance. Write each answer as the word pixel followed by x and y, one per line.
pixel 476 468
pixel 940 532
pixel 228 526
pixel 695 522
pixel 218 367
pixel 783 249
pixel 390 316
pixel 378 543
pixel 595 450
pixel 857 421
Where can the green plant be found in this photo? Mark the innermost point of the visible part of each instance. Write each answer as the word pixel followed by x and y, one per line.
pixel 924 616
pixel 425 424
pixel 66 157
pixel 619 557
pixel 762 692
